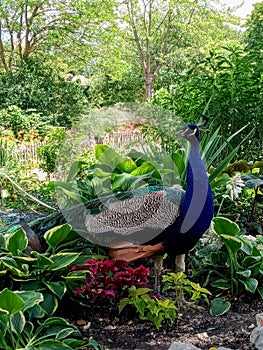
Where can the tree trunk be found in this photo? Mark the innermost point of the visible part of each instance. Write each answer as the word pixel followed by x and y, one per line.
pixel 149 88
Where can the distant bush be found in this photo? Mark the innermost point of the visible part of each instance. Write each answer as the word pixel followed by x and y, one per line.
pixel 35 86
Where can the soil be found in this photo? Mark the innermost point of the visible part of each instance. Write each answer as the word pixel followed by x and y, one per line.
pixel 194 325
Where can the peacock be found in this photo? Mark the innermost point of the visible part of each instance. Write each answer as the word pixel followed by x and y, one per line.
pixel 149 221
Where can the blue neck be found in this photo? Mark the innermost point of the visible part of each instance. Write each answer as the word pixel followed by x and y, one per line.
pixel 197 206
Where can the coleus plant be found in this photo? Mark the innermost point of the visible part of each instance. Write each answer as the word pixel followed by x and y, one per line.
pixel 109 280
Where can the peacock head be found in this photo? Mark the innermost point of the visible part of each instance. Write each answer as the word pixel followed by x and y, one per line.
pixel 190 132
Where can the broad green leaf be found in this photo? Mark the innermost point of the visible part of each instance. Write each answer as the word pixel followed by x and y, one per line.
pixel 106 155
pixel 52 321
pixel 49 304
pixel 245 273
pixel 3 312
pixel 64 333
pixel 62 260
pixel 74 169
pixel 52 345
pixel 234 243
pixel 57 235
pixel 42 261
pixel 2 241
pixel 10 301
pixel 16 241
pixel 221 283
pixel 37 311
pixel 15 268
pixel 77 197
pixel 58 288
pixel 143 169
pixel 127 166
pixel 18 322
pixel 121 182
pixel 30 298
pixel 260 291
pixel 219 307
pixel 250 284
pixel 225 226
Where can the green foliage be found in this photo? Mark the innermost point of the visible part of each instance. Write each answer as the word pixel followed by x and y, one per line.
pixel 219 307
pixel 182 285
pixel 227 81
pixel 40 272
pixel 18 331
pixel 49 152
pixel 237 191
pixel 230 261
pixel 21 122
pixel 11 188
pixel 113 173
pixel 40 96
pixel 149 307
pixel 253 34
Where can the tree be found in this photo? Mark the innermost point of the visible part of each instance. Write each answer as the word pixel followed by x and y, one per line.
pixel 254 32
pixel 52 26
pixel 162 27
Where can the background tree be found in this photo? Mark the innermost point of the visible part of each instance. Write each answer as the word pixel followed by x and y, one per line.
pixel 161 29
pixel 51 27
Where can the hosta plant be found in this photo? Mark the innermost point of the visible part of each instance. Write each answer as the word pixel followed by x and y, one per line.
pixel 229 261
pixel 40 272
pixel 18 331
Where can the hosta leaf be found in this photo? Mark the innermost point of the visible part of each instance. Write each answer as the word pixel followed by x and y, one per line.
pixel 219 307
pixel 250 284
pixel 234 243
pixel 64 333
pixel 127 166
pixel 106 155
pixel 42 261
pixel 18 322
pixel 62 260
pixel 52 345
pixel 245 273
pixel 16 241
pixel 58 288
pixel 30 298
pixel 57 235
pixel 143 169
pixel 221 283
pixel 225 226
pixel 10 301
pixel 49 304
pixel 260 290
pixel 14 268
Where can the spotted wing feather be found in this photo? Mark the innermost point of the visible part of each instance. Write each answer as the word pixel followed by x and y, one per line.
pixel 154 211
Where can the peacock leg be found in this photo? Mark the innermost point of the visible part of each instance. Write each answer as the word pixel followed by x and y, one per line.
pixel 180 263
pixel 158 265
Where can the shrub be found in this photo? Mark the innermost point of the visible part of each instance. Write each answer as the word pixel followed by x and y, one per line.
pixel 108 280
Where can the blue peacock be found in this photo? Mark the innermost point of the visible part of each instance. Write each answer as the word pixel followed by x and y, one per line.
pixel 150 221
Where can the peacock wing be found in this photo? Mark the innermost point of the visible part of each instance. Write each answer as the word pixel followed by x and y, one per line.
pixel 155 210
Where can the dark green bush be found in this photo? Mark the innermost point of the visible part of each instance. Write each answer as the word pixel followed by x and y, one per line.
pixel 35 86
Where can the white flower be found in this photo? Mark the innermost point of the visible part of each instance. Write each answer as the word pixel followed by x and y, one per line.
pixel 212 239
pixel 235 186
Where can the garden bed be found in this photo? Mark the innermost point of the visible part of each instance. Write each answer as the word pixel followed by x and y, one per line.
pixel 195 325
